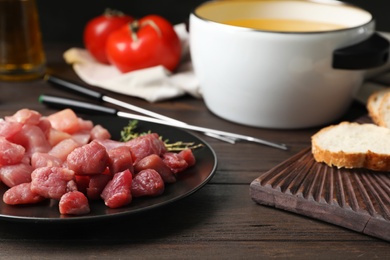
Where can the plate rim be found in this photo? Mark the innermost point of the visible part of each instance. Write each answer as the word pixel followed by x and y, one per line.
pixel 84 218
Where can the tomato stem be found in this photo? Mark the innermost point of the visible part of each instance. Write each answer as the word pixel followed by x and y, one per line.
pixel 154 26
pixel 135 26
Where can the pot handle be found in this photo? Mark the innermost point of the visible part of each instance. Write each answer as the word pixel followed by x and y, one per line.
pixel 370 53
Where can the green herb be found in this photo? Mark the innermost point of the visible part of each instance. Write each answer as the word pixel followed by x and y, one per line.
pixel 129 132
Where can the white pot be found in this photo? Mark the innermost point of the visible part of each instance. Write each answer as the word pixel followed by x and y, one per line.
pixel 282 79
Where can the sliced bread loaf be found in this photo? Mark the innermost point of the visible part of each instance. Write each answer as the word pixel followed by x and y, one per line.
pixel 374 102
pixel 384 111
pixel 353 145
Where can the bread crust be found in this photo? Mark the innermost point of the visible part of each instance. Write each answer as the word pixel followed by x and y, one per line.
pixel 378 106
pixel 369 160
pixel 383 111
pixel 374 102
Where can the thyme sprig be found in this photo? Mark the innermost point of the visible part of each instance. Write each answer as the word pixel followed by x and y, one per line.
pixel 129 132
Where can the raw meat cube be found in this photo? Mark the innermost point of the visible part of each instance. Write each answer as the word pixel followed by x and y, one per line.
pixel 64 148
pixel 97 183
pixel 12 175
pixel 120 159
pixel 10 153
pixel 147 183
pixel 155 162
pixel 45 159
pixel 65 120
pixel 74 203
pixel 21 194
pixel 175 162
pixel 51 182
pixel 99 132
pixel 25 116
pixel 91 158
pixel 146 145
pixel 117 191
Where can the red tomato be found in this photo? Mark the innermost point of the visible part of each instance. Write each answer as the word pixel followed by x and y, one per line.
pixel 144 43
pixel 99 28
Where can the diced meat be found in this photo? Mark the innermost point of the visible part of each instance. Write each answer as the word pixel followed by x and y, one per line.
pixel 147 183
pixel 12 175
pixel 120 159
pixel 96 185
pixel 66 158
pixel 82 137
pixel 188 156
pixel 45 159
pixel 25 116
pixel 55 136
pixel 32 138
pixel 26 159
pixel 109 144
pixel 65 120
pixel 99 132
pixel 85 125
pixel 155 162
pixel 74 203
pixel 117 191
pixel 64 148
pixel 8 129
pixel 21 194
pixel 175 162
pixel 45 126
pixel 146 145
pixel 82 182
pixel 91 158
pixel 51 182
pixel 10 153
pixel 71 185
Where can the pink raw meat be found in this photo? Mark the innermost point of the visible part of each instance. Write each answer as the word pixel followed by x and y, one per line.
pixel 146 145
pixel 52 182
pixel 117 191
pixel 74 203
pixel 91 158
pixel 12 175
pixel 175 162
pixel 10 153
pixel 155 162
pixel 147 183
pixel 21 194
pixel 120 159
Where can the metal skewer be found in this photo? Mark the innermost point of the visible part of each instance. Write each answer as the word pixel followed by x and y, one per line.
pixel 70 86
pixel 88 107
pixel 204 129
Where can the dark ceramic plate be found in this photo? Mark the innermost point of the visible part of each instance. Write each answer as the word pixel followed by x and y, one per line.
pixel 189 182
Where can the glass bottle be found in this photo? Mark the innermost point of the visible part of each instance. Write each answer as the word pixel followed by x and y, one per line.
pixel 22 55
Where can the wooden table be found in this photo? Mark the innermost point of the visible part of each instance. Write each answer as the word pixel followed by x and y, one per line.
pixel 218 221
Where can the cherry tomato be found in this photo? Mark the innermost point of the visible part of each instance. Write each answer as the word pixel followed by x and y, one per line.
pixel 144 43
pixel 99 28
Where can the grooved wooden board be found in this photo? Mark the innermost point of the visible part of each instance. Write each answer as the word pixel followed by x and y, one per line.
pixel 357 199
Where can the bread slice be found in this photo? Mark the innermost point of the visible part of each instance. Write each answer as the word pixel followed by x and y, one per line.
pixel 374 102
pixel 353 145
pixel 384 111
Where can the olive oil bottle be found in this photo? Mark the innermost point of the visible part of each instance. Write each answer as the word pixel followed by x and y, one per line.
pixel 21 51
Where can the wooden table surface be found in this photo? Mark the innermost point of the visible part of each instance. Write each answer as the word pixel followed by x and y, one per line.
pixel 218 221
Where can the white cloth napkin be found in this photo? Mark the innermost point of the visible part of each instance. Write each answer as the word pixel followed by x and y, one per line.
pixel 152 84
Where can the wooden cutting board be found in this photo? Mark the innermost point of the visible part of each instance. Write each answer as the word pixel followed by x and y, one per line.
pixel 357 199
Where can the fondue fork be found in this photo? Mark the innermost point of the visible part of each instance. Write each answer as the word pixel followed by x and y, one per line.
pixel 73 87
pixel 61 102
